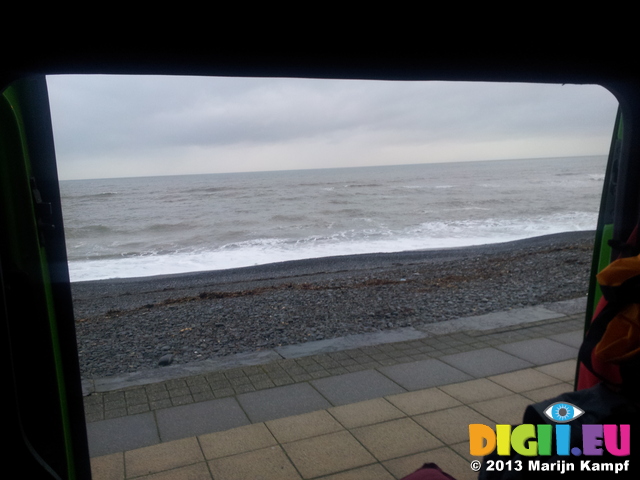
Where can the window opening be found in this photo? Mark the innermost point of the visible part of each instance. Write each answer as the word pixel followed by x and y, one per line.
pixel 182 196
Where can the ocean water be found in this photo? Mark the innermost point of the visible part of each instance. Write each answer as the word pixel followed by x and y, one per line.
pixel 133 227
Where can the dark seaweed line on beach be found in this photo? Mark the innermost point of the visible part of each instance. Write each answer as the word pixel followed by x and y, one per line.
pixel 126 331
pixel 255 291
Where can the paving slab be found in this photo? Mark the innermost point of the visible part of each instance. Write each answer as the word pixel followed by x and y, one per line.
pixel 164 456
pixel 269 463
pixel 197 471
pixel 356 387
pixel 281 402
pixel 350 341
pixel 485 362
pixel 327 454
pixel 573 339
pixel 547 393
pixel 451 425
pixel 108 467
pixel 235 441
pixel 123 433
pixel 298 427
pixel 200 418
pixel 396 438
pixel 524 380
pixel 366 413
pixel 568 307
pixel 507 410
pixel 475 390
pixel 423 401
pixel 564 371
pixel 424 374
pixel 491 321
pixel 155 375
pixel 540 351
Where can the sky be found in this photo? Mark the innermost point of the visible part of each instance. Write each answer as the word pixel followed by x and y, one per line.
pixel 125 126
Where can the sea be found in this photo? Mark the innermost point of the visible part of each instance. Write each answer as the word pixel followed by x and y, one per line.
pixel 143 226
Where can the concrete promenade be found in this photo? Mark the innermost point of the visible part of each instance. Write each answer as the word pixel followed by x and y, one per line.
pixel 371 407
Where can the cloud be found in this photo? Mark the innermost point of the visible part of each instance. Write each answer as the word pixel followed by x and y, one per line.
pixel 134 125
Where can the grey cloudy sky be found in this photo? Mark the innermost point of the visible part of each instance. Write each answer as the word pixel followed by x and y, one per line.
pixel 117 126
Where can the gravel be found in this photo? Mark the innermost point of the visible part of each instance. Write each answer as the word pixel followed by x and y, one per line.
pixel 127 325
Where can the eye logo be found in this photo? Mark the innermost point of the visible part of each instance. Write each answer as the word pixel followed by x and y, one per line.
pixel 563 412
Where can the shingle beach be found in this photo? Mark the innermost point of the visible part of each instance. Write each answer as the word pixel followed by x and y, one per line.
pixel 127 325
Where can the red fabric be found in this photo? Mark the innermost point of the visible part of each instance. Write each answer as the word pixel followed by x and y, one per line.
pixel 429 471
pixel 586 379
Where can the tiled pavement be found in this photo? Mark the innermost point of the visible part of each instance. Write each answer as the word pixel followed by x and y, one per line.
pixel 376 412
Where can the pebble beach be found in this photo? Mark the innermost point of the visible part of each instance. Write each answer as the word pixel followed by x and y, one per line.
pixel 128 325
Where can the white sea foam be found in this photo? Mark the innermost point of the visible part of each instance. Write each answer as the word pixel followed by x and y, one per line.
pixel 162 225
pixel 432 235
